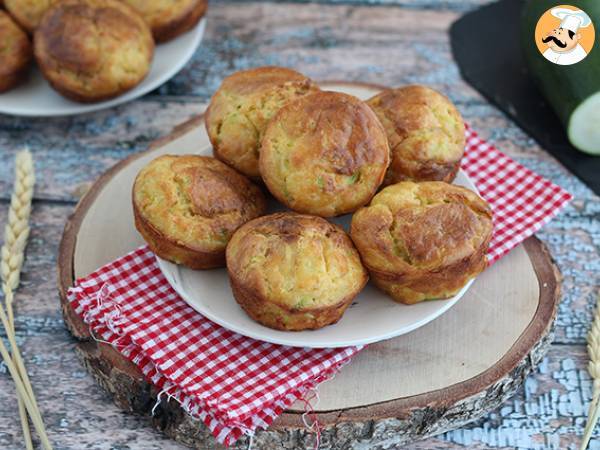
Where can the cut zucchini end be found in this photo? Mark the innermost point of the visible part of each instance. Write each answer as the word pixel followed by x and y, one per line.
pixel 584 125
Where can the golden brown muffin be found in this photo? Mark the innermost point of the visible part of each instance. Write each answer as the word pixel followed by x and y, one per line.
pixel 28 13
pixel 425 131
pixel 15 53
pixel 325 154
pixel 187 207
pixel 241 108
pixel 169 18
pixel 294 272
pixel 423 241
pixel 92 50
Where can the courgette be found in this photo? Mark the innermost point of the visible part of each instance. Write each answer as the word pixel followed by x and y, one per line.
pixel 573 91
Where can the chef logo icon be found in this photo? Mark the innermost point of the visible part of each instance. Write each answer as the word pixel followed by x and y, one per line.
pixel 564 35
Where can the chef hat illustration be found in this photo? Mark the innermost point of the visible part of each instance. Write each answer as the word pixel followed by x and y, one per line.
pixel 570 19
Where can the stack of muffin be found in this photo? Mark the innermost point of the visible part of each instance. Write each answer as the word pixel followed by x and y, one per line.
pixel 321 154
pixel 89 50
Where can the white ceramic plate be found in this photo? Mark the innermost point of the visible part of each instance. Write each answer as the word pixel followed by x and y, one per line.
pixel 372 317
pixel 37 98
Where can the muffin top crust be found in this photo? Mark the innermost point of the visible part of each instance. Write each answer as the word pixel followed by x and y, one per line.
pixel 15 48
pixel 325 154
pixel 298 262
pixel 28 13
pixel 93 49
pixel 169 18
pixel 241 108
pixel 421 226
pixel 195 201
pixel 425 131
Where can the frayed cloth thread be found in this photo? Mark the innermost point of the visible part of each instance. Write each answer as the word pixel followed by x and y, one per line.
pixel 104 311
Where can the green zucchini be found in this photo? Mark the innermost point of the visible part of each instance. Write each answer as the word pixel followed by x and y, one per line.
pixel 572 91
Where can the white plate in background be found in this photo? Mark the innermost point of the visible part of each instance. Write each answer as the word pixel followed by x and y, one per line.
pixel 36 98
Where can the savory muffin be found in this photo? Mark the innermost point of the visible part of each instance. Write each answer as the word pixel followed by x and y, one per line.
pixel 15 53
pixel 92 50
pixel 28 13
pixel 423 241
pixel 169 18
pixel 425 131
pixel 294 272
pixel 325 154
pixel 241 108
pixel 187 207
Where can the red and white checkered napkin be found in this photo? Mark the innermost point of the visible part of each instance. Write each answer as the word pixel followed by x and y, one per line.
pixel 522 201
pixel 235 384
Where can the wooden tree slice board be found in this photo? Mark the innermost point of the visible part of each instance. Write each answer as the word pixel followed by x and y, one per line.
pixel 439 377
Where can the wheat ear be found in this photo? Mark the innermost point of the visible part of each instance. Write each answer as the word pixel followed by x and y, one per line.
pixel 16 233
pixel 593 348
pixel 12 256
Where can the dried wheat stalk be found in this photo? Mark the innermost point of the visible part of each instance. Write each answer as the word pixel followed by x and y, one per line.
pixel 12 255
pixel 594 370
pixel 16 230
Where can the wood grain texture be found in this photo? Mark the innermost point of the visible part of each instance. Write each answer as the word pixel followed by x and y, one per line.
pixel 327 42
pixel 339 430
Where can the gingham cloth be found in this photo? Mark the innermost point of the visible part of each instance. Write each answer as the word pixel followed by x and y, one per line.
pixel 235 384
pixel 521 200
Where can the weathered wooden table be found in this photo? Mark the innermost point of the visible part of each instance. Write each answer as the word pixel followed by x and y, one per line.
pixel 395 42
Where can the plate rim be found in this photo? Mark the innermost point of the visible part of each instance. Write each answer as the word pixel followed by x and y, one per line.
pixel 133 94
